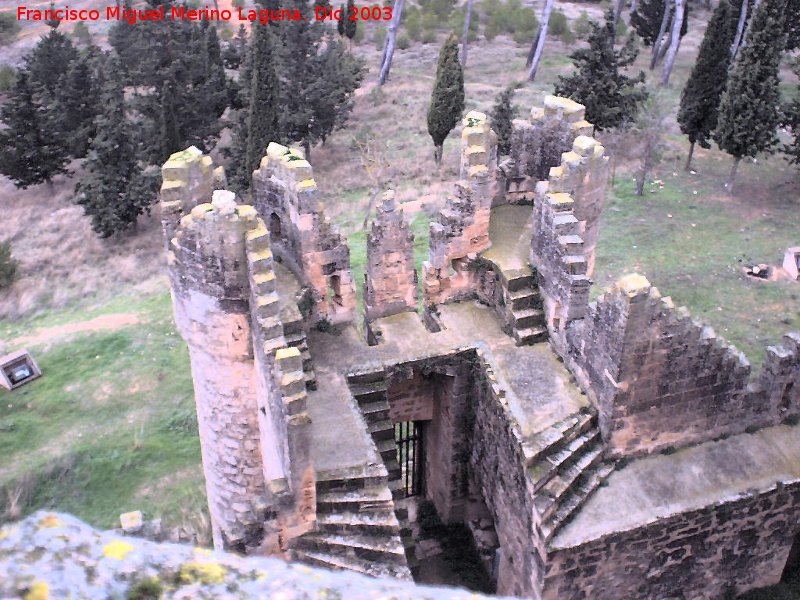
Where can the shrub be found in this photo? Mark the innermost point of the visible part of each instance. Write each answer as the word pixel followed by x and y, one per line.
pixel 379 37
pixel 558 24
pixel 428 37
pixel 568 37
pixel 8 266
pixel 360 33
pixel 621 29
pixel 403 42
pixel 8 77
pixel 81 33
pixel 225 34
pixel 583 26
pixel 413 24
pixel 9 27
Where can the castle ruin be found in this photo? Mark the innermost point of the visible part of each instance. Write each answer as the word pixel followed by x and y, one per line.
pixel 607 449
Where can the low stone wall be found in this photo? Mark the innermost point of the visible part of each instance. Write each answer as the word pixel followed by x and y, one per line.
pixel 743 543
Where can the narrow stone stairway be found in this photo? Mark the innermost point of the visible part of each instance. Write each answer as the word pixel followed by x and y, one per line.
pixel 566 467
pixel 523 306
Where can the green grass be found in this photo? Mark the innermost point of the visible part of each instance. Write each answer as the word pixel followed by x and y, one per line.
pixel 692 246
pixel 109 427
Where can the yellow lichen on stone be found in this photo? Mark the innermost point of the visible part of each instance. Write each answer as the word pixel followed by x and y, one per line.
pixel 246 212
pixel 285 353
pixel 117 550
pixel 633 284
pixel 202 572
pixel 560 198
pixel 203 551
pixel 38 591
pixel 49 521
pixel 308 184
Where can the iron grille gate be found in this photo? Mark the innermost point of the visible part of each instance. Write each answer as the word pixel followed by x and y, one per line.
pixel 408 436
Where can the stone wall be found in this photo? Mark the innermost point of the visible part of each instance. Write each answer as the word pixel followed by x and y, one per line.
pixel 286 197
pixel 210 293
pixel 537 144
pixel 390 281
pixel 462 228
pixel 743 542
pixel 661 379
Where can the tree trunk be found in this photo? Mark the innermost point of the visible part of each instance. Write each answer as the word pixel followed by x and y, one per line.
pixel 438 151
pixel 465 37
pixel 688 166
pixel 388 49
pixel 732 176
pixel 662 30
pixel 739 31
pixel 307 148
pixel 548 8
pixel 618 12
pixel 746 34
pixel 633 5
pixel 675 42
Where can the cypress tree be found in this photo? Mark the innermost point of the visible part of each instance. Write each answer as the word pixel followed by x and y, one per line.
pixel 170 138
pixel 791 121
pixel 793 25
pixel 611 98
pixel 340 24
pixel 447 100
pixel 503 115
pixel 646 19
pixel 749 112
pixel 700 99
pixel 31 151
pixel 76 107
pixel 350 25
pixel 115 190
pixel 259 125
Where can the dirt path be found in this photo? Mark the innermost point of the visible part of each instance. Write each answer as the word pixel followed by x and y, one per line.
pixel 101 323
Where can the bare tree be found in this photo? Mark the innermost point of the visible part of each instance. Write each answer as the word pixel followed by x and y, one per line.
pixel 739 31
pixel 618 11
pixel 649 128
pixel 372 154
pixel 388 49
pixel 540 39
pixel 662 30
pixel 675 41
pixel 465 36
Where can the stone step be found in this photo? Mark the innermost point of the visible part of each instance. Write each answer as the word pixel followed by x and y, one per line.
pixel 383 522
pixel 530 335
pixel 368 392
pixel 549 496
pixel 381 430
pixel 549 465
pixel 375 411
pixel 397 488
pixel 387 449
pixel 347 482
pixel 559 433
pixel 374 499
pixel 517 279
pixel 350 563
pixel 527 317
pixel 523 298
pixel 575 499
pixel 386 549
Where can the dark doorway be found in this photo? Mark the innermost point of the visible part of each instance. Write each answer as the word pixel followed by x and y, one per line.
pixel 275 227
pixel 791 572
pixel 408 437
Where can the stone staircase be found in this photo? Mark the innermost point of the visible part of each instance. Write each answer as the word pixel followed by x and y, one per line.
pixel 295 336
pixel 369 391
pixel 523 306
pixel 356 530
pixel 566 466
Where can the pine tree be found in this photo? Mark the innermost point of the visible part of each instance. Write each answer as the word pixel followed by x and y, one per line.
pixel 76 107
pixel 350 25
pixel 31 151
pixel 50 59
pixel 700 99
pixel 646 19
pixel 749 112
pixel 611 98
pixel 503 115
pixel 447 100
pixel 170 139
pixel 792 122
pixel 115 190
pixel 793 25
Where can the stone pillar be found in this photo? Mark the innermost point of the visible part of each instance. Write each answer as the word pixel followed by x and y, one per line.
pixel 210 291
pixel 390 281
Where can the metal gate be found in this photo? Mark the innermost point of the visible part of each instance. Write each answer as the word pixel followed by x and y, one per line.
pixel 408 436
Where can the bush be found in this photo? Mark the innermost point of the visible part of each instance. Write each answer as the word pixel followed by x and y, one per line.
pixel 621 29
pixel 456 23
pixel 403 42
pixel 360 33
pixel 81 33
pixel 8 266
pixel 558 24
pixel 525 29
pixel 9 28
pixel 512 18
pixel 428 37
pixel 568 37
pixel 8 77
pixel 583 26
pixel 412 23
pixel 225 34
pixel 379 37
pixel 440 9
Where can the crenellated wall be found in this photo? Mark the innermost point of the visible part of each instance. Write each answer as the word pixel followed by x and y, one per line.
pixel 661 379
pixel 286 197
pixel 537 145
pixel 390 280
pixel 462 228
